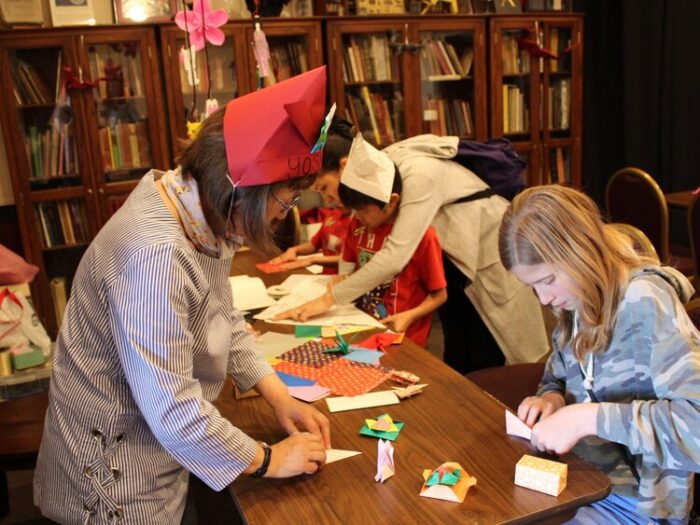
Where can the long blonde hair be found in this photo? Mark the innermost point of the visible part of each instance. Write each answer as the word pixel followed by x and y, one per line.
pixel 562 227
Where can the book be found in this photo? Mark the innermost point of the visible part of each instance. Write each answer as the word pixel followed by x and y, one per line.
pixel 58 294
pixel 66 223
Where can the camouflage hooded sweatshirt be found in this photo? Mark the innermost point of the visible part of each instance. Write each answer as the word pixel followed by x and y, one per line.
pixel 647 381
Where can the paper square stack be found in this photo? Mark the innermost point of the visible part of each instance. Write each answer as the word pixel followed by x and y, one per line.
pixel 540 474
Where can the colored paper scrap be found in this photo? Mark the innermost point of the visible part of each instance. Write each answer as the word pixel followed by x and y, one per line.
pixel 385 461
pixel 381 341
pixel 373 399
pixel 542 475
pixel 455 486
pixel 516 427
pixel 273 344
pixel 308 393
pixel 270 267
pixel 404 377
pixel 390 435
pixel 307 331
pixel 291 380
pixel 408 391
pixel 361 355
pixel 383 423
pixel 334 454
pixel 348 378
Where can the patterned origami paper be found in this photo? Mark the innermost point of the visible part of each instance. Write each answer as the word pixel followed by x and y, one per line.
pixel 385 461
pixel 405 378
pixel 541 475
pixel 408 391
pixel 202 23
pixel 390 435
pixel 362 355
pixel 515 427
pixel 448 482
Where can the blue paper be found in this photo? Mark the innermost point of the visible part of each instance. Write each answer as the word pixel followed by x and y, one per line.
pixel 362 355
pixel 291 380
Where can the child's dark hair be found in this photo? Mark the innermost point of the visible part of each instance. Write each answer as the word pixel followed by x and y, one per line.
pixel 356 200
pixel 338 143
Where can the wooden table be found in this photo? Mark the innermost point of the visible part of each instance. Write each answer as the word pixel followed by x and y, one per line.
pixel 680 200
pixel 453 420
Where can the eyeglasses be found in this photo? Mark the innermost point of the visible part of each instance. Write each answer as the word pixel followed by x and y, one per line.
pixel 286 206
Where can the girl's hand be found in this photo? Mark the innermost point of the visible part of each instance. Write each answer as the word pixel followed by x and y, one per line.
pixel 291 413
pixel 536 408
pixel 299 263
pixel 289 255
pixel 560 432
pixel 301 453
pixel 308 310
pixel 398 322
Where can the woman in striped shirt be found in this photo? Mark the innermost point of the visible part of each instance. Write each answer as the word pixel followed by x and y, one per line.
pixel 150 334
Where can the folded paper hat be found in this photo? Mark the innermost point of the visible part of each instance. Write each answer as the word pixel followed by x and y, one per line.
pixel 368 170
pixel 269 134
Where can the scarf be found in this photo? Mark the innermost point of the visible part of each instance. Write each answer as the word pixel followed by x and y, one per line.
pixel 184 194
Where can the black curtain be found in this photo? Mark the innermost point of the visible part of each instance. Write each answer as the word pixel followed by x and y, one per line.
pixel 641 91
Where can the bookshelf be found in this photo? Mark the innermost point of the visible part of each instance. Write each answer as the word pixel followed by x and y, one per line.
pixel 74 150
pixel 295 47
pixel 537 101
pixel 381 69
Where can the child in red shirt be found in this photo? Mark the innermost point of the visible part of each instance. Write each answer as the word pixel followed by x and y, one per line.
pixel 370 185
pixel 328 240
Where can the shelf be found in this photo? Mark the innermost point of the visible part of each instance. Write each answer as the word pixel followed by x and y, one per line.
pixel 120 99
pixel 66 247
pixel 372 83
pixel 526 74
pixel 59 194
pixel 446 78
pixel 36 106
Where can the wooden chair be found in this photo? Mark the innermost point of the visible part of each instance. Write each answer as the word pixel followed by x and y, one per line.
pixel 633 197
pixel 694 234
pixel 641 242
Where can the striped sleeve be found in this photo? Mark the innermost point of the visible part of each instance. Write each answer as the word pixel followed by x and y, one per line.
pixel 149 303
pixel 245 364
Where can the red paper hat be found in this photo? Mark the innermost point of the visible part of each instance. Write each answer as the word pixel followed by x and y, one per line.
pixel 269 134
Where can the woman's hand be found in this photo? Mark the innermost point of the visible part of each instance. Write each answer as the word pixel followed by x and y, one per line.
pixel 300 453
pixel 308 310
pixel 292 413
pixel 560 432
pixel 536 408
pixel 398 322
pixel 289 255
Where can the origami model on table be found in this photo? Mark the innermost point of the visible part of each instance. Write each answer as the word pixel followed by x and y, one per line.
pixel 449 482
pixel 408 391
pixel 383 427
pixel 385 461
pixel 540 474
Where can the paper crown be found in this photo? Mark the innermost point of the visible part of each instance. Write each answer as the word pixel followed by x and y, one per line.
pixel 269 134
pixel 368 170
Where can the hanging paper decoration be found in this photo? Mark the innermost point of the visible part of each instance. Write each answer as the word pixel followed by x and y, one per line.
pixel 73 82
pixel 202 24
pixel 210 106
pixel 193 129
pixel 188 59
pixel 261 51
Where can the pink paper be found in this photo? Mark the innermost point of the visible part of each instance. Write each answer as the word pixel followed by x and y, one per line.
pixel 515 427
pixel 308 393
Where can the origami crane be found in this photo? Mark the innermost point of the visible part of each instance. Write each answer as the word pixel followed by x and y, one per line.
pixel 202 24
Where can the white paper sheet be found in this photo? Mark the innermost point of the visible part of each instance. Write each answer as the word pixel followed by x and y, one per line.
pixel 249 293
pixel 304 288
pixel 334 454
pixel 373 399
pixel 273 344
pixel 515 427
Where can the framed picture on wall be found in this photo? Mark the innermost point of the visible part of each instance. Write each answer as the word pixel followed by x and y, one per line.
pixel 21 12
pixel 72 12
pixel 130 11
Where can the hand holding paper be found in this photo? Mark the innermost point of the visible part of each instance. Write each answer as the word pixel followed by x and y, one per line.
pixel 515 427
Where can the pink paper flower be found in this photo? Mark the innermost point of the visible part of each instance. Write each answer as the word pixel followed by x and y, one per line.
pixel 202 23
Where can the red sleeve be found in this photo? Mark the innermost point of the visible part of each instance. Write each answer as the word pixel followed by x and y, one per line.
pixel 429 255
pixel 317 239
pixel 349 253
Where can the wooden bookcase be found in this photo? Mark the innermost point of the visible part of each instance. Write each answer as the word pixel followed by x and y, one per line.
pixel 537 102
pixel 398 77
pixel 75 151
pixel 295 47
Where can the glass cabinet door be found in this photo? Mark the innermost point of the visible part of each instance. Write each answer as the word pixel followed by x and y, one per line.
pixel 121 110
pixel 371 92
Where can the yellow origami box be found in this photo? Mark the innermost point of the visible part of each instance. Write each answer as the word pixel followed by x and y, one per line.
pixel 540 474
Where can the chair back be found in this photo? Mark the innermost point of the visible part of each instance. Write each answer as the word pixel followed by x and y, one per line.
pixel 641 243
pixel 694 234
pixel 632 196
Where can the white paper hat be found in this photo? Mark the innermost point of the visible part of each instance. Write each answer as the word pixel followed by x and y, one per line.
pixel 368 170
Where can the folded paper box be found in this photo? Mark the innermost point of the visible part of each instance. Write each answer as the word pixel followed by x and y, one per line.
pixel 540 474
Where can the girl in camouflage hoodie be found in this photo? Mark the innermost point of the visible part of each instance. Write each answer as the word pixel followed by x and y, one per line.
pixel 622 386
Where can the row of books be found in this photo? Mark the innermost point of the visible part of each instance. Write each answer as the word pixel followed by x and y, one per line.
pixel 287 59
pixel 559 104
pixel 124 145
pixel 52 152
pixel 368 58
pixel 439 61
pixel 448 117
pixel 121 72
pixel 515 60
pixel 516 115
pixel 29 86
pixel 559 42
pixel 380 119
pixel 560 166
pixel 62 223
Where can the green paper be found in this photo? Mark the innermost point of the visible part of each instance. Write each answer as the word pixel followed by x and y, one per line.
pixel 34 357
pixel 449 478
pixel 433 479
pixel 391 436
pixel 307 331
